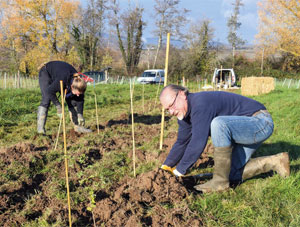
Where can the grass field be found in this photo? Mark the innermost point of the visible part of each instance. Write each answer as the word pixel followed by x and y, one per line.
pixel 32 183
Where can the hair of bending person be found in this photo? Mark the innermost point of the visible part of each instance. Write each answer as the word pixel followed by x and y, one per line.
pixel 78 83
pixel 175 88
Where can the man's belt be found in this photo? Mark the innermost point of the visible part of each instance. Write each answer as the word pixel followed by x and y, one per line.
pixel 259 112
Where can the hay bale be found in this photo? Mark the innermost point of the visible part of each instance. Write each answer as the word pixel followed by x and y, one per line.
pixel 257 85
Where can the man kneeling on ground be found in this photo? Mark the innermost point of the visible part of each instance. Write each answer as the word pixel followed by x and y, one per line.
pixel 237 125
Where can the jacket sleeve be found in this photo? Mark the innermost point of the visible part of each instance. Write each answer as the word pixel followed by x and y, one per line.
pixel 200 121
pixel 77 101
pixel 178 149
pixel 72 110
pixel 80 103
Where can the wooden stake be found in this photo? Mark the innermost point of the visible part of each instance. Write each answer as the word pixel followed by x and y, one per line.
pixel 59 124
pixel 165 84
pixel 65 150
pixel 156 96
pixel 132 129
pixel 143 98
pixel 97 113
pixel 221 78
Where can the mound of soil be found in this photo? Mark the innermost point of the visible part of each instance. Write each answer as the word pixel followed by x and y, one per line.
pixel 155 198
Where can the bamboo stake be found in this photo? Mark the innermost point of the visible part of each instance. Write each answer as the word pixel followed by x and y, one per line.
pixel 165 84
pixel 97 113
pixel 59 124
pixel 65 150
pixel 156 96
pixel 4 80
pixel 221 78
pixel 143 98
pixel 132 127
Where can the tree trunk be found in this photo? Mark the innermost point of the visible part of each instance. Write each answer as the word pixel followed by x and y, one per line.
pixel 159 42
pixel 233 56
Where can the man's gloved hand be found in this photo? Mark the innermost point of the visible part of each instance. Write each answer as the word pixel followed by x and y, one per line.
pixel 59 110
pixel 173 170
pixel 168 168
pixel 81 129
pixel 176 173
pixel 81 121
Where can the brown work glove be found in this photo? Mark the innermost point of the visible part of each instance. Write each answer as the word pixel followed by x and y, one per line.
pixel 81 121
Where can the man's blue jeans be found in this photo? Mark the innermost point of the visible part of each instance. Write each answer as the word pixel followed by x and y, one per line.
pixel 245 134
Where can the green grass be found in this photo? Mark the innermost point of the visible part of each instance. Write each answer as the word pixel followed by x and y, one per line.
pixel 269 201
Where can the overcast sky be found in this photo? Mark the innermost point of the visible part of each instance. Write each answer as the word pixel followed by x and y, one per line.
pixel 218 11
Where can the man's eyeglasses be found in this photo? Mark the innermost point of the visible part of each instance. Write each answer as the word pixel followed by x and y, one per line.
pixel 173 104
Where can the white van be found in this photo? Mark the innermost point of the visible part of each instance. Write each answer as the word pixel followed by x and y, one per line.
pixel 227 76
pixel 152 76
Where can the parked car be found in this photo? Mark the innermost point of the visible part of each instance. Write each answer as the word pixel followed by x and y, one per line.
pixel 152 76
pixel 86 78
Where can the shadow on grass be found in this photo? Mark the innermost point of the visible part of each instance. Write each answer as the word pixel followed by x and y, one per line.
pixel 295 168
pixel 275 148
pixel 138 118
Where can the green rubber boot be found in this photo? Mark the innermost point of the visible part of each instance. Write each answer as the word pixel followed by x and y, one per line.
pixel 41 119
pixel 279 163
pixel 220 180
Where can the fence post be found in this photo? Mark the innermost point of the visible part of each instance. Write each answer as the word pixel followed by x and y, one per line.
pixel 283 82
pixel 19 79
pixel 289 83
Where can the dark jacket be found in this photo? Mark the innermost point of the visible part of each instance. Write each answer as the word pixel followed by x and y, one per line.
pixel 194 129
pixel 57 71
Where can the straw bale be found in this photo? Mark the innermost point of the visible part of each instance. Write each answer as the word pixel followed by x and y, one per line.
pixel 257 85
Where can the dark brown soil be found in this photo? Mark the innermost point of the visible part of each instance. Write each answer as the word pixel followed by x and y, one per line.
pixel 152 199
pixel 155 198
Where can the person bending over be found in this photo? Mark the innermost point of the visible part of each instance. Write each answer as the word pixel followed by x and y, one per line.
pixel 237 125
pixel 50 75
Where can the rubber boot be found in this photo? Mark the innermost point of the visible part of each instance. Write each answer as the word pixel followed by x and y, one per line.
pixel 279 163
pixel 220 180
pixel 41 119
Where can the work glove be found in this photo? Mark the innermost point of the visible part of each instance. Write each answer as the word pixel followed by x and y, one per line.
pixel 173 170
pixel 168 168
pixel 81 129
pixel 59 110
pixel 176 173
pixel 81 121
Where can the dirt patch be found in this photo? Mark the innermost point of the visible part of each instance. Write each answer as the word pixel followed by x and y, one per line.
pixel 155 198
pixel 15 191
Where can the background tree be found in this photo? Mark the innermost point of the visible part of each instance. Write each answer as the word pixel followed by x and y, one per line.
pixel 233 25
pixel 201 56
pixel 169 18
pixel 88 33
pixel 37 31
pixel 130 24
pixel 279 26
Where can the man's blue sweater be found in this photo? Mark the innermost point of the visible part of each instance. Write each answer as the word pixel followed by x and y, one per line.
pixel 194 129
